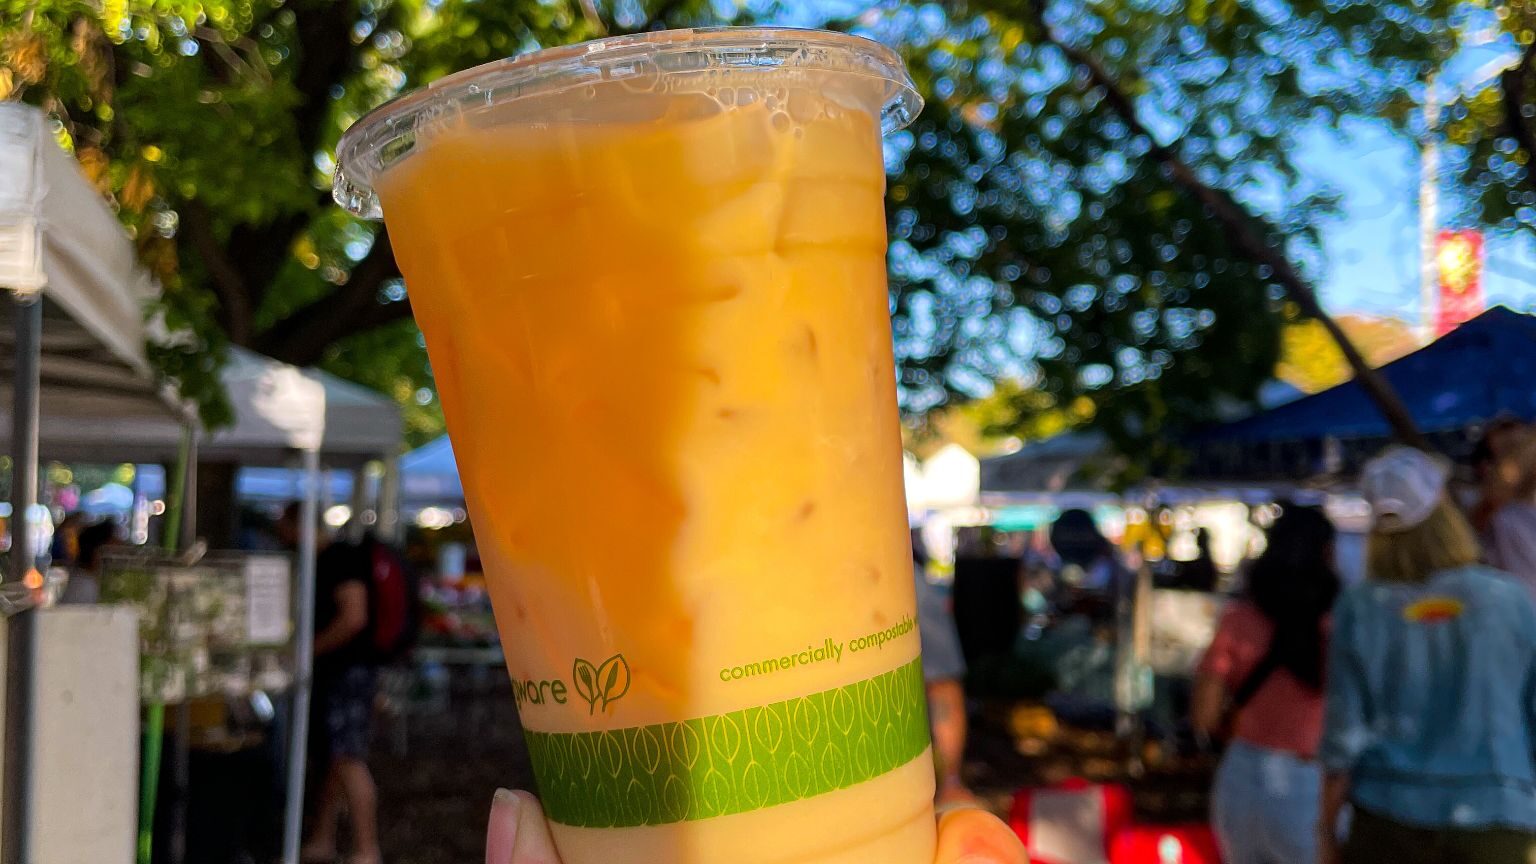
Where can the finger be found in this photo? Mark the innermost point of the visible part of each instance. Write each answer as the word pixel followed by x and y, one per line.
pixel 533 844
pixel 971 836
pixel 501 832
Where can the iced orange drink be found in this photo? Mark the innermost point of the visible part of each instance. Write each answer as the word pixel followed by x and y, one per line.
pixel 651 276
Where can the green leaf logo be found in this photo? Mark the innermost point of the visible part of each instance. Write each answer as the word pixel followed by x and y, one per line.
pixel 584 676
pixel 613 675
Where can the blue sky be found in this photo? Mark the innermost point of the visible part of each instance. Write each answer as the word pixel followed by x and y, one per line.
pixel 1372 248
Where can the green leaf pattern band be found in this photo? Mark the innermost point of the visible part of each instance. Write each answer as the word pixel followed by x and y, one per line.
pixel 733 763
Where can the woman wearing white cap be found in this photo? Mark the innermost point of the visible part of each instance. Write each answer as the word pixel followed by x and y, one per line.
pixel 1430 724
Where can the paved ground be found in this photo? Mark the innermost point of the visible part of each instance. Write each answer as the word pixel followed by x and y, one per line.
pixel 434 798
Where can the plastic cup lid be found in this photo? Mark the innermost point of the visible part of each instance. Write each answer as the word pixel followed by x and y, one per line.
pixel 389 132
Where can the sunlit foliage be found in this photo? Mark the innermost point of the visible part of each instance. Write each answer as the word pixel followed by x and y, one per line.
pixel 1035 238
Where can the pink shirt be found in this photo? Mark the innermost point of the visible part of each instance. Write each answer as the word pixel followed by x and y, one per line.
pixel 1284 714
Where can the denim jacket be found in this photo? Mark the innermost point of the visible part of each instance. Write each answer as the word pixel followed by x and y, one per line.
pixel 1430 700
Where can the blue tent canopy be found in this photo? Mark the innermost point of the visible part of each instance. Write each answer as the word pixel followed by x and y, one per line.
pixel 281 485
pixel 429 474
pixel 1478 372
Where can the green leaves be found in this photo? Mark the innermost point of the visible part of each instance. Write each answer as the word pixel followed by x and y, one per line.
pixel 1034 238
pixel 1037 240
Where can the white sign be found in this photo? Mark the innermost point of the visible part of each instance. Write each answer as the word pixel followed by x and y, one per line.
pixel 267 590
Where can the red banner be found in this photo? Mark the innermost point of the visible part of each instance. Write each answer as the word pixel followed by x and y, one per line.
pixel 1459 265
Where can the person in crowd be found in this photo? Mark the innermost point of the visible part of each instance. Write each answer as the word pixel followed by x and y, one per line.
pixel 944 676
pixel 65 547
pixel 1092 574
pixel 517 833
pixel 1200 573
pixel 1261 682
pixel 341 707
pixel 1490 466
pixel 1509 505
pixel 84 585
pixel 1429 725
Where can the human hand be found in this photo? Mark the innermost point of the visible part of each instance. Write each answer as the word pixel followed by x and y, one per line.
pixel 518 834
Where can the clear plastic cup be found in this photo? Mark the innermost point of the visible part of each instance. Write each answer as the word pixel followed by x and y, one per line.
pixel 651 275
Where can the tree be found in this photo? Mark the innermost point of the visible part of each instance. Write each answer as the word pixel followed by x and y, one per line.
pixel 211 126
pixel 1098 204
pixel 1491 132
pixel 1125 169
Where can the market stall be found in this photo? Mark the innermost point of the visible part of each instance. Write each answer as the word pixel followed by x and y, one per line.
pixel 77 386
pixel 297 420
pixel 280 417
pixel 72 349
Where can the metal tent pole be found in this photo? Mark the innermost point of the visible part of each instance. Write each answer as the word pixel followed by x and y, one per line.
pixel 1429 198
pixel 181 750
pixel 390 529
pixel 304 650
pixel 189 491
pixel 358 505
pixel 21 628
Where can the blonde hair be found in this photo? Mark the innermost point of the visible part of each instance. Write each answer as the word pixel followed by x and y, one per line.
pixel 1444 541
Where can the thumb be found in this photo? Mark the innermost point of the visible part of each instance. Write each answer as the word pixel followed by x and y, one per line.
pixel 971 836
pixel 517 833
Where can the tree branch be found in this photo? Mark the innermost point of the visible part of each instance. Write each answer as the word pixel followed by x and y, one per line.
pixel 1512 84
pixel 259 252
pixel 228 285
pixel 302 337
pixel 239 66
pixel 325 54
pixel 1241 227
pixel 380 314
pixel 309 346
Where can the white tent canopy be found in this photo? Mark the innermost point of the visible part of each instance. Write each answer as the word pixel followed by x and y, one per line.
pixel 947 479
pixel 99 398
pixel 55 232
pixel 278 409
pixel 281 408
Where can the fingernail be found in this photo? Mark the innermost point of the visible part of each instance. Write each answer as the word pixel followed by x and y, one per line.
pixel 501 832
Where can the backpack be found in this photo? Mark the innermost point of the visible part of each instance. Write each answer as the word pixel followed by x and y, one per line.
pixel 394 601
